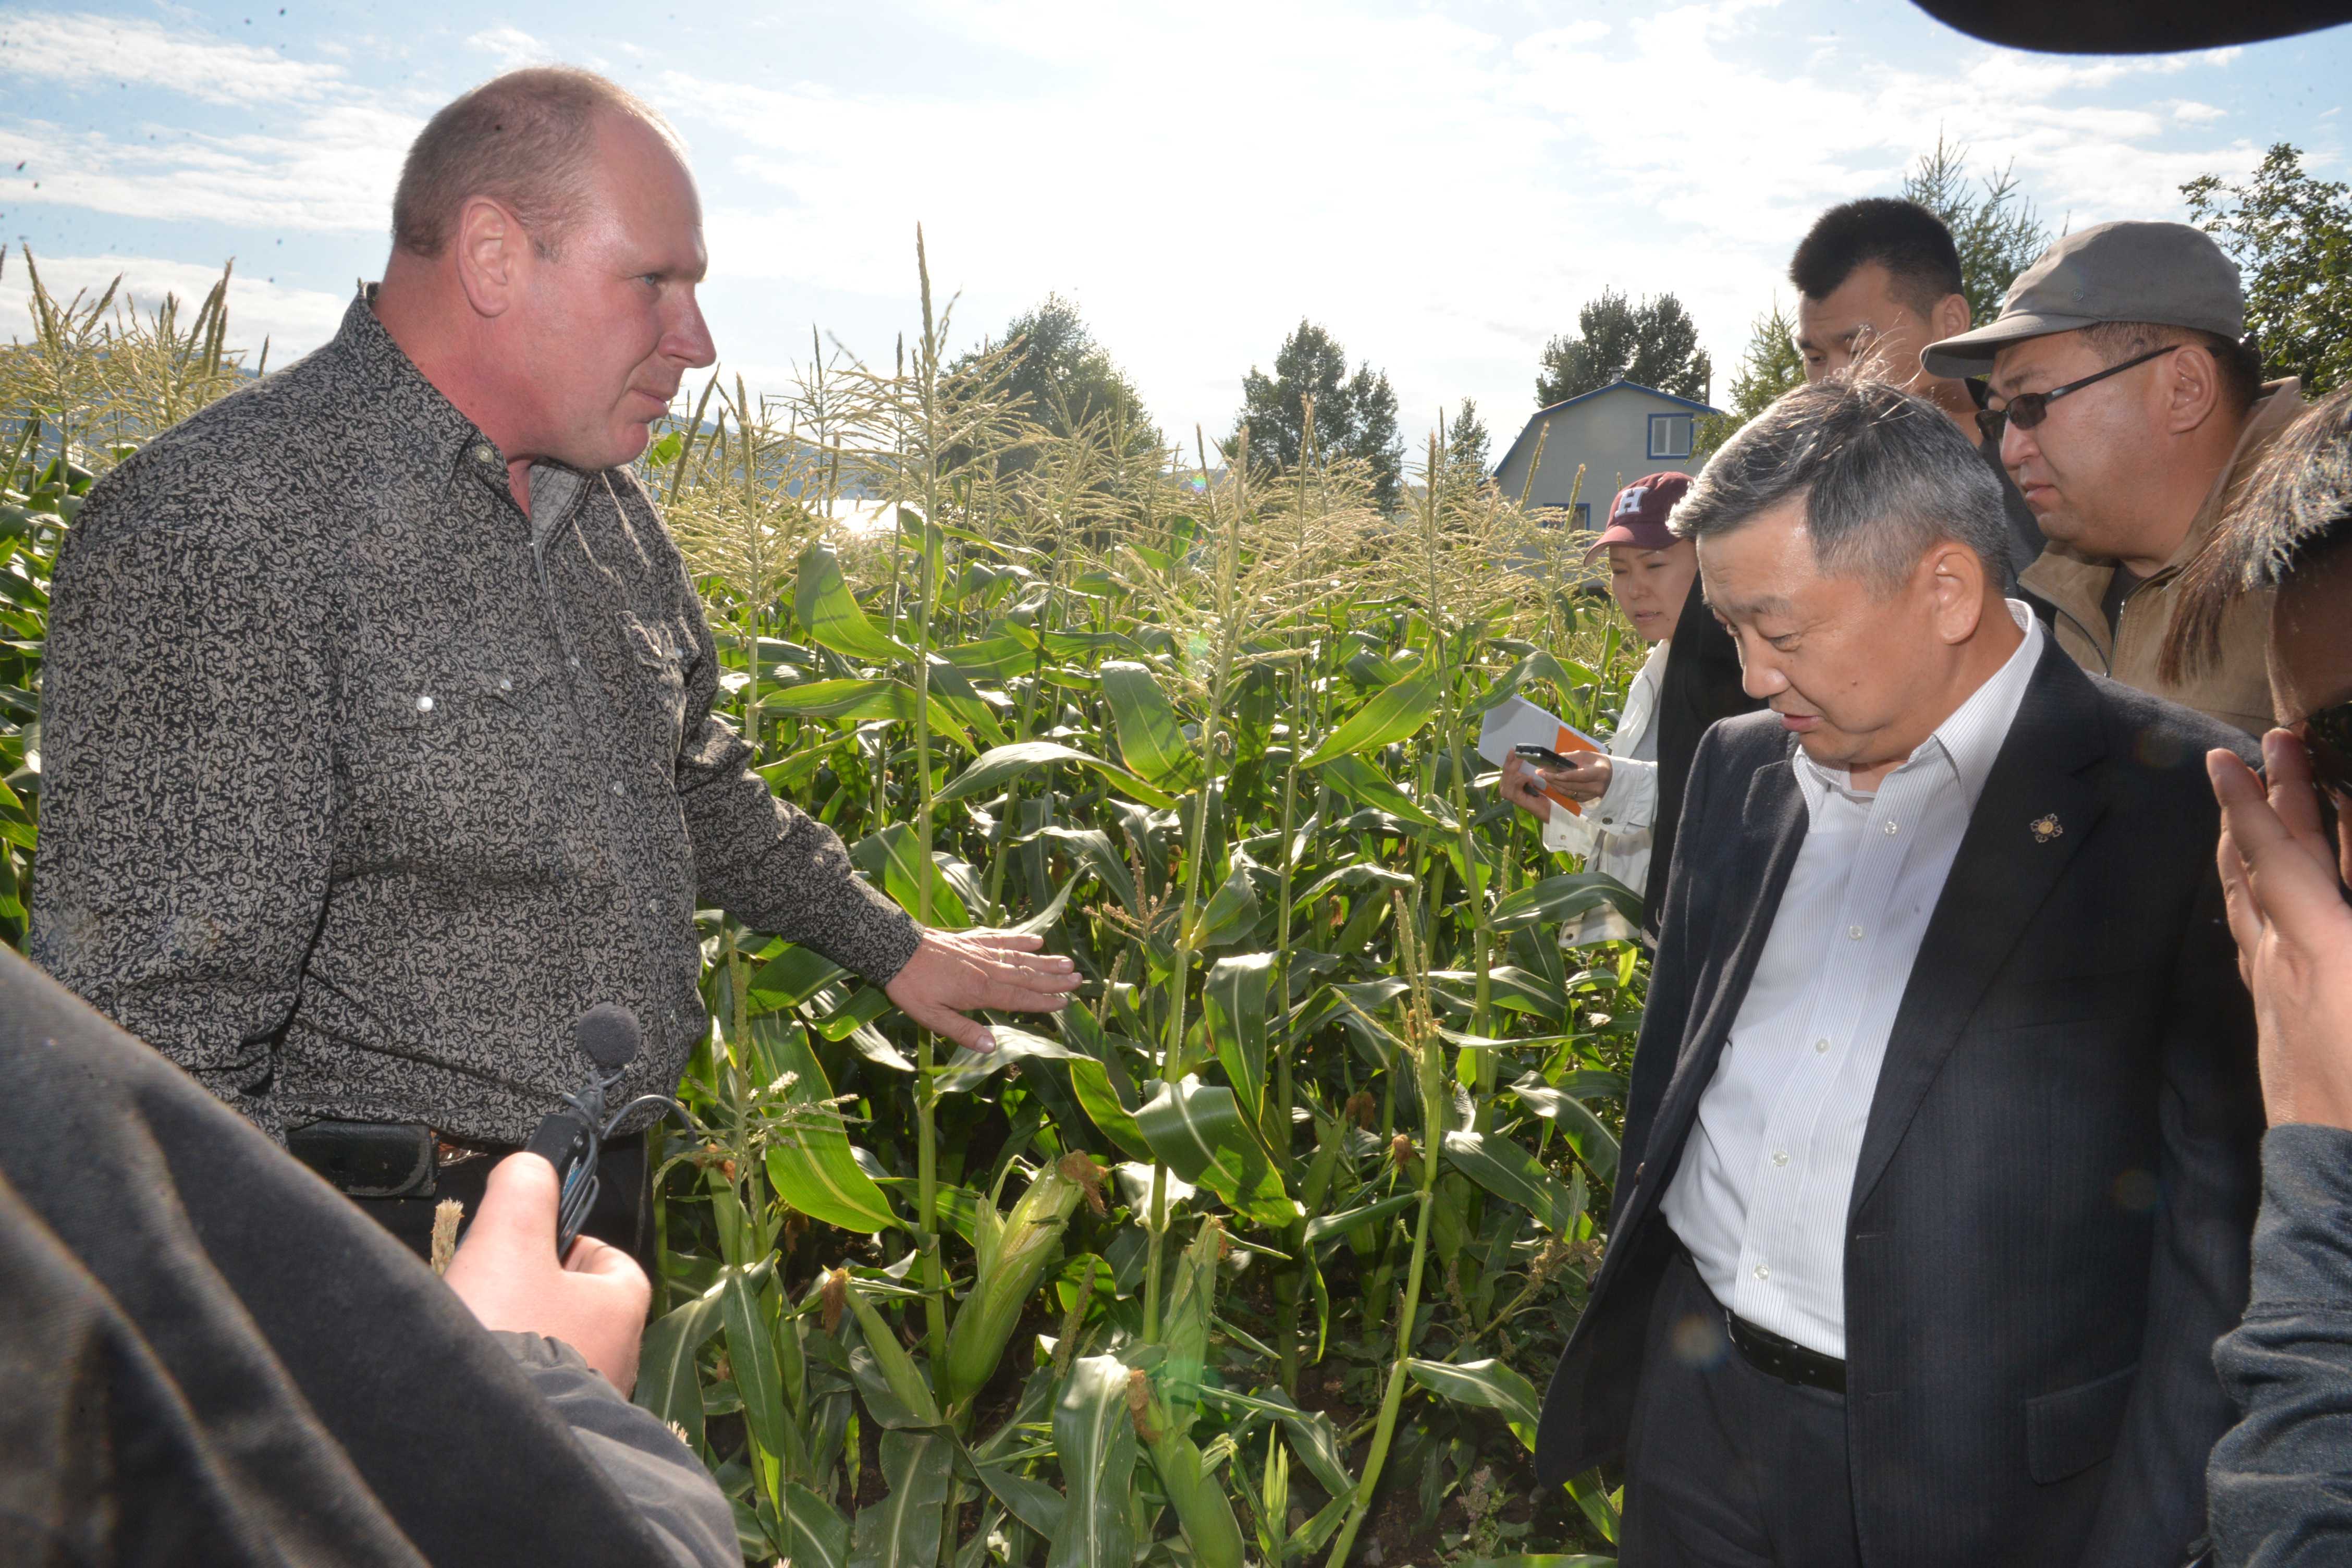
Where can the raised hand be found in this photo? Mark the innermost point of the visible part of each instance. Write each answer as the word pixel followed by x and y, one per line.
pixel 954 973
pixel 2293 930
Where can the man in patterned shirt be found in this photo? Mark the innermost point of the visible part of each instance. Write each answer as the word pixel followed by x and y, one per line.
pixel 378 742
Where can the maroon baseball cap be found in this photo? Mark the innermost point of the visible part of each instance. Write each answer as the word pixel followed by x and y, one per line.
pixel 1638 516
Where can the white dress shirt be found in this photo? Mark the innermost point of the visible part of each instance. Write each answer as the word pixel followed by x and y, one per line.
pixel 1760 1197
pixel 1613 831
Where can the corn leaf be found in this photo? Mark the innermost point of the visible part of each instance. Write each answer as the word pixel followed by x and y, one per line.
pixel 992 769
pixel 828 609
pixel 1032 1502
pixel 809 1160
pixel 1095 1439
pixel 1509 1172
pixel 1150 737
pixel 902 1531
pixel 1595 1144
pixel 817 1536
pixel 1563 897
pixel 1397 712
pixel 1234 1007
pixel 752 1350
pixel 1201 1134
pixel 1487 1385
pixel 1091 1082
pixel 968 1069
pixel 666 1384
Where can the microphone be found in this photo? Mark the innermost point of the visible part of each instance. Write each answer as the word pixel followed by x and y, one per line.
pixel 572 1139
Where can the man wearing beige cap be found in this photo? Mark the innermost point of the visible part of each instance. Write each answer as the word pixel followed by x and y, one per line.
pixel 2129 411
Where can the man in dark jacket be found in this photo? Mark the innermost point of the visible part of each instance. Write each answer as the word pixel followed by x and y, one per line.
pixel 209 1358
pixel 1940 1144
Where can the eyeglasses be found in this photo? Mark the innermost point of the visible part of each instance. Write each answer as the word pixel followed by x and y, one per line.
pixel 2030 408
pixel 2326 738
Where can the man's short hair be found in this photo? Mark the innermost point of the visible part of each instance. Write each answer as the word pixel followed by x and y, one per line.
pixel 1905 237
pixel 524 139
pixel 2241 366
pixel 2295 512
pixel 1885 476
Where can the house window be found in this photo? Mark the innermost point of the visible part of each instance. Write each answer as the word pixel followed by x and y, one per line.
pixel 1670 434
pixel 1584 517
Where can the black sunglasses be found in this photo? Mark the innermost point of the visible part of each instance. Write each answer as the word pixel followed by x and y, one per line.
pixel 2030 408
pixel 2326 738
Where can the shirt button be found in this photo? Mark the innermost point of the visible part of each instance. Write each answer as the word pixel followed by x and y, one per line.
pixel 425 704
pixel 1762 1272
pixel 1779 1156
pixel 1854 933
pixel 1892 830
pixel 482 453
pixel 1821 1047
pixel 505 683
pixel 573 660
pixel 618 789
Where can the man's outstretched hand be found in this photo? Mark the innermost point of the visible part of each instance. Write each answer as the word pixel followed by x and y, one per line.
pixel 595 1301
pixel 955 971
pixel 2279 877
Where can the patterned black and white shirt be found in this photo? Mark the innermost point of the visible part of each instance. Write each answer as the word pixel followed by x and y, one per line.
pixel 360 785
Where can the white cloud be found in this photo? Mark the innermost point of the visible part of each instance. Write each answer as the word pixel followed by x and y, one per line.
pixel 511 46
pixel 293 320
pixel 85 51
pixel 1441 192
pixel 333 171
pixel 1440 197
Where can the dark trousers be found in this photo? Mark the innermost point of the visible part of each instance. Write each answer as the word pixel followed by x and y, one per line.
pixel 622 1214
pixel 1727 1467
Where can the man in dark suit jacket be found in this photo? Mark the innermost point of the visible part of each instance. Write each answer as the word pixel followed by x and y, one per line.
pixel 1940 1150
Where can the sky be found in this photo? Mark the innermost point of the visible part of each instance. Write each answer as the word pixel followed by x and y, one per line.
pixel 1439 186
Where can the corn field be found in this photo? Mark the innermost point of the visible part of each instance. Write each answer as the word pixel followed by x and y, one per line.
pixel 1262 1251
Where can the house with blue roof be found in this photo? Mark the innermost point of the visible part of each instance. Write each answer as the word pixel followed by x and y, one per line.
pixel 1615 433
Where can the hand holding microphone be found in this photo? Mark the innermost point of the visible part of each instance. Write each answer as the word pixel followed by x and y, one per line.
pixel 572 1139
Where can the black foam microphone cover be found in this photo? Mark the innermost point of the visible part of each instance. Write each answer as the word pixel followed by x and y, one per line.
pixel 609 1035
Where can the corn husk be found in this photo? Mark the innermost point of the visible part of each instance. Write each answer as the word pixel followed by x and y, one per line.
pixel 1011 1256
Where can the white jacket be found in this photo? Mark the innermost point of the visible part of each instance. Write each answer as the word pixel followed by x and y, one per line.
pixel 1613 833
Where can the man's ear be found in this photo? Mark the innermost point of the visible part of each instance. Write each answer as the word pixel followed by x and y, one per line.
pixel 492 252
pixel 1950 318
pixel 1956 589
pixel 2190 387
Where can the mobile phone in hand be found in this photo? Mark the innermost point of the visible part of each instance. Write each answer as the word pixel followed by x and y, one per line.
pixel 1543 756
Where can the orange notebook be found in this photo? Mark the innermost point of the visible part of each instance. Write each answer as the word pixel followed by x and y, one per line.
pixel 1515 722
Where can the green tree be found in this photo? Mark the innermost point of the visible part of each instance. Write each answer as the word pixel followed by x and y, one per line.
pixel 1770 366
pixel 1996 230
pixel 2292 237
pixel 1653 343
pixel 1468 447
pixel 1355 415
pixel 1065 379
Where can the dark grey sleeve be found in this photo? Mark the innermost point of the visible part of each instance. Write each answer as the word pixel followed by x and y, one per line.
pixel 187 803
pixel 765 861
pixel 2280 1481
pixel 644 1460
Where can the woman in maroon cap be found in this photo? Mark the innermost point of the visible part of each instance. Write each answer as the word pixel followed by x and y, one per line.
pixel 1631 795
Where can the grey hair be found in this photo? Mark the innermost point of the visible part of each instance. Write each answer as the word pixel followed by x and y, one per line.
pixel 1885 476
pixel 526 139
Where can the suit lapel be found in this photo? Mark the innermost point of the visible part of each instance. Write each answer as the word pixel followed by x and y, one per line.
pixel 2037 809
pixel 1771 830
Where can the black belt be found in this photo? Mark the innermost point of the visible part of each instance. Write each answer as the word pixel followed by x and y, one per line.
pixel 1785 1359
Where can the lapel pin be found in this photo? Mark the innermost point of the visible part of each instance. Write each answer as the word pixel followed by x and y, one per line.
pixel 2046 829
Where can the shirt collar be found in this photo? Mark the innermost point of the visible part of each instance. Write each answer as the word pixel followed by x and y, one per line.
pixel 414 406
pixel 1966 743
